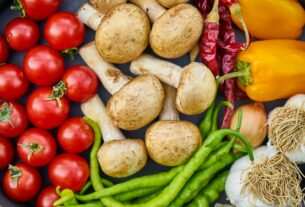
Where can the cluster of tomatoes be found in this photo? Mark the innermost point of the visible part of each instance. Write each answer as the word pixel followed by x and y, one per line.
pixel 47 107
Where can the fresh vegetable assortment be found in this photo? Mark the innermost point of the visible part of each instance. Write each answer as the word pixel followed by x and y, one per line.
pixel 39 127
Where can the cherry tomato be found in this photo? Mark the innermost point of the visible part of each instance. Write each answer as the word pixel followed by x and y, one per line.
pixel 13 83
pixel 45 112
pixel 69 171
pixel 43 65
pixel 64 31
pixel 4 50
pixel 47 197
pixel 21 182
pixel 21 34
pixel 6 153
pixel 36 147
pixel 13 119
pixel 40 10
pixel 81 83
pixel 75 135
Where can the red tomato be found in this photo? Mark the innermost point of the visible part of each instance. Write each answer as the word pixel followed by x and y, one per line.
pixel 43 65
pixel 75 135
pixel 4 50
pixel 21 183
pixel 64 30
pixel 69 171
pixel 21 34
pixel 14 120
pixel 46 113
pixel 36 147
pixel 6 153
pixel 13 83
pixel 40 10
pixel 81 83
pixel 47 197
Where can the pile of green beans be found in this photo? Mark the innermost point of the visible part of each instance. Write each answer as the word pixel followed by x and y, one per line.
pixel 188 184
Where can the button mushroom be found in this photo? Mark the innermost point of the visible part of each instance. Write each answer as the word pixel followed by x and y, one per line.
pixel 169 141
pixel 121 35
pixel 171 3
pixel 175 31
pixel 118 156
pixel 106 5
pixel 134 103
pixel 196 84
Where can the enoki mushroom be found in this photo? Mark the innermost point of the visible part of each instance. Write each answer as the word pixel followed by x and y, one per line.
pixel 275 181
pixel 287 128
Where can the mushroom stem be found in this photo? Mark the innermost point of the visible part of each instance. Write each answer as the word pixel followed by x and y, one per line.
pixel 90 16
pixel 111 77
pixel 94 108
pixel 169 111
pixel 152 8
pixel 167 72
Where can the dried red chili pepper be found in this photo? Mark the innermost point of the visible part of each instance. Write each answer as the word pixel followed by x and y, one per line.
pixel 208 43
pixel 235 10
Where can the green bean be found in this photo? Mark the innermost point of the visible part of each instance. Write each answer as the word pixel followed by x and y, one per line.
pixel 216 114
pixel 91 204
pixel 105 182
pixel 156 180
pixel 146 198
pixel 172 190
pixel 206 124
pixel 211 192
pixel 127 196
pixel 199 180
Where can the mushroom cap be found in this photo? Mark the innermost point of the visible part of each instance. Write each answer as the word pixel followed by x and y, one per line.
pixel 123 34
pixel 177 31
pixel 197 89
pixel 122 158
pixel 105 6
pixel 172 143
pixel 171 3
pixel 137 103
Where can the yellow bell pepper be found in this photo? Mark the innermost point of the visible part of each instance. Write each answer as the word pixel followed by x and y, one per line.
pixel 272 69
pixel 272 19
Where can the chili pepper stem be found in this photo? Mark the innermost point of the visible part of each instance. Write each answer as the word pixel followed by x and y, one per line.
pixel 213 16
pixel 236 11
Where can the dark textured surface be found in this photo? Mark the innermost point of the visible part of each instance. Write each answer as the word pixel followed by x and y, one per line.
pixel 151 167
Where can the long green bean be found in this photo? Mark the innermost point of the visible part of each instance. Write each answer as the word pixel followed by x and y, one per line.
pixel 127 196
pixel 105 182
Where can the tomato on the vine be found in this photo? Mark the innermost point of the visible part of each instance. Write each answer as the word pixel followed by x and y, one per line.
pixel 64 31
pixel 36 147
pixel 75 135
pixel 6 153
pixel 13 83
pixel 81 83
pixel 21 34
pixel 47 197
pixel 4 50
pixel 13 119
pixel 21 182
pixel 37 10
pixel 47 108
pixel 69 171
pixel 43 65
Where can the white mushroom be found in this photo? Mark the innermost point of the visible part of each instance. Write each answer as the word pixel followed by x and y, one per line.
pixel 106 5
pixel 171 3
pixel 134 103
pixel 169 141
pixel 175 31
pixel 121 35
pixel 196 84
pixel 118 156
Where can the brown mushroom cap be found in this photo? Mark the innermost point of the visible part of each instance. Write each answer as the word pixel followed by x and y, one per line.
pixel 172 143
pixel 177 31
pixel 137 103
pixel 197 89
pixel 171 3
pixel 123 34
pixel 122 158
pixel 105 5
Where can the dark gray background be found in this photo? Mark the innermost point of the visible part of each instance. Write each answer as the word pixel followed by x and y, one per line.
pixel 16 57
